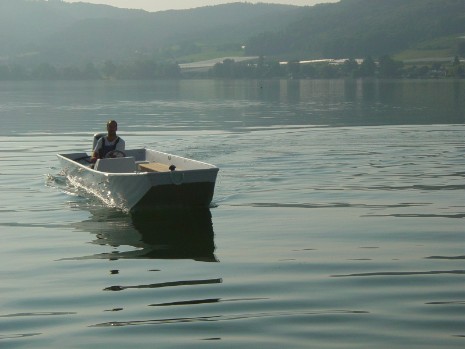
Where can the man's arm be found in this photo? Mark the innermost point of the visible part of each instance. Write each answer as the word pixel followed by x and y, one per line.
pixel 95 154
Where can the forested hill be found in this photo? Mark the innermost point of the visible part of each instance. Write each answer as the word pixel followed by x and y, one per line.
pixel 68 33
pixel 356 28
pixel 73 34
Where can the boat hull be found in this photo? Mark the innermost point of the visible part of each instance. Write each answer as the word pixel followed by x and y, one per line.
pixel 192 185
pixel 198 194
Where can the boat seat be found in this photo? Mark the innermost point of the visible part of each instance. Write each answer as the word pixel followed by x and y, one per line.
pixel 116 165
pixel 154 167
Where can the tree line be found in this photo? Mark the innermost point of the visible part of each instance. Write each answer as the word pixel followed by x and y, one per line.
pixel 139 70
pixel 384 67
pixel 149 69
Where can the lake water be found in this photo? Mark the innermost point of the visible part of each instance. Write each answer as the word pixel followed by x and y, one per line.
pixel 338 219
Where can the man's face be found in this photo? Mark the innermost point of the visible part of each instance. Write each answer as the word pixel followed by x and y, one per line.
pixel 112 127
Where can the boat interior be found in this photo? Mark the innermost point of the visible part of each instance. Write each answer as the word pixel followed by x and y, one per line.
pixel 138 160
pixel 131 163
pixel 135 160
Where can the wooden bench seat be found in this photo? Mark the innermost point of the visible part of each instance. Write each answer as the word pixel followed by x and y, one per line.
pixel 154 167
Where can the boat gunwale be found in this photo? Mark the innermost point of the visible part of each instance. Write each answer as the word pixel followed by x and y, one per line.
pixel 138 173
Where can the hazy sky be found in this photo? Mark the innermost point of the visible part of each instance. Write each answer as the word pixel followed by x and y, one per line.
pixel 161 5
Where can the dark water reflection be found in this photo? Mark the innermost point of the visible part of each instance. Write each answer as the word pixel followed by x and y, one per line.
pixel 157 234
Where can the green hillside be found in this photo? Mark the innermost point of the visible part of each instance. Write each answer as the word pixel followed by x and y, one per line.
pixel 357 28
pixel 63 33
pixel 49 35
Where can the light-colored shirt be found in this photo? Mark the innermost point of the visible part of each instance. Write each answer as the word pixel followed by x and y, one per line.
pixel 120 146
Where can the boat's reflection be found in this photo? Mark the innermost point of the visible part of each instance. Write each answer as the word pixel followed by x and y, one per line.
pixel 158 234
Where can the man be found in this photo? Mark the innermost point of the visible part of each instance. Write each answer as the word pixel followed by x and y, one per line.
pixel 109 143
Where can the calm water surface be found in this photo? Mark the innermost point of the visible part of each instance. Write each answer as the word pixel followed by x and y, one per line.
pixel 338 219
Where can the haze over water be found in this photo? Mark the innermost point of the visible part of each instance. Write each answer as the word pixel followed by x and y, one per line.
pixel 337 221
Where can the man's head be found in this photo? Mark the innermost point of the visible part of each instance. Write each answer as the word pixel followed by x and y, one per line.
pixel 112 127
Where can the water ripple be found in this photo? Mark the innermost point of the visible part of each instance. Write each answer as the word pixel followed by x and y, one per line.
pixel 328 205
pixel 220 318
pixel 446 257
pixel 405 273
pixel 37 314
pixel 18 336
pixel 447 303
pixel 420 215
pixel 166 284
pixel 205 301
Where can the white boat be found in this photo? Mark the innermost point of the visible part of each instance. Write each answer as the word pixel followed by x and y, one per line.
pixel 142 179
